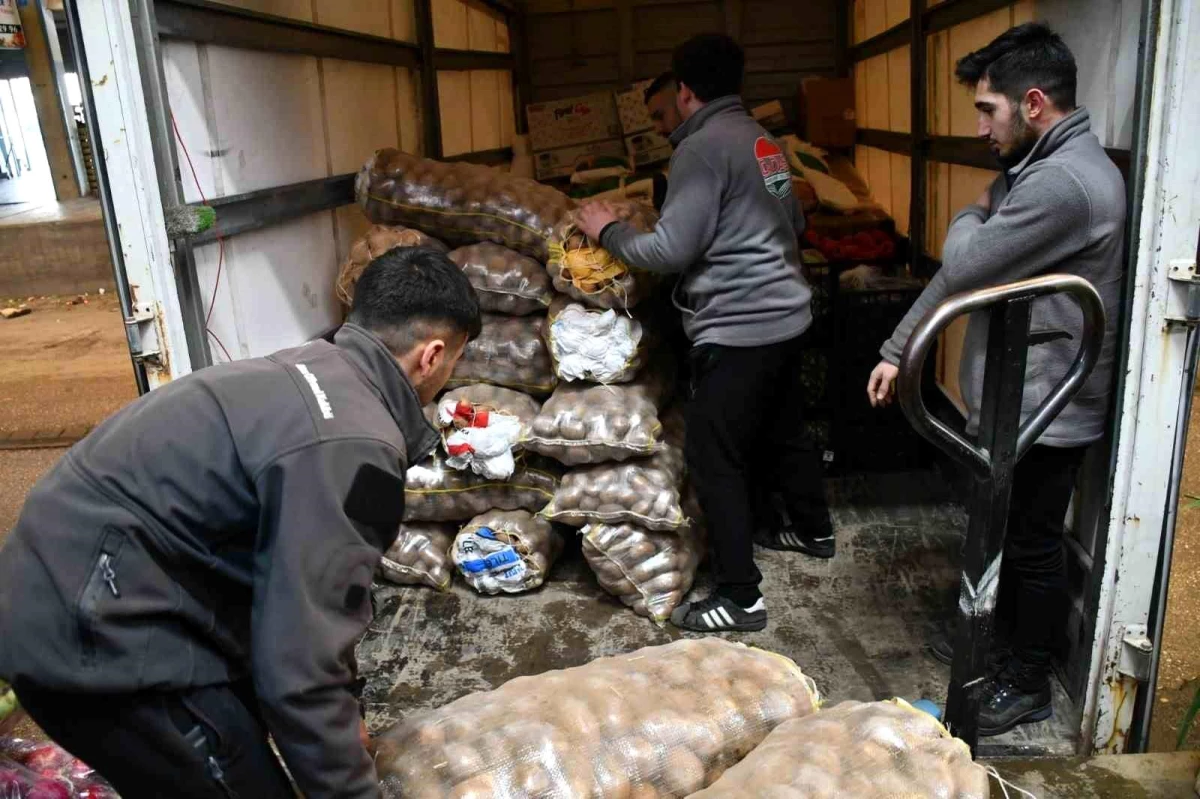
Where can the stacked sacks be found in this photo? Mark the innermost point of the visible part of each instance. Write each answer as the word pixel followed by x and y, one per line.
pixel 587 359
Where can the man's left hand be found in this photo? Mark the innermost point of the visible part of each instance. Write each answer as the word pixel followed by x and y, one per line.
pixel 593 217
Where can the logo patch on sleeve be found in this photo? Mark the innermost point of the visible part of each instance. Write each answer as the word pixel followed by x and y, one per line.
pixel 773 165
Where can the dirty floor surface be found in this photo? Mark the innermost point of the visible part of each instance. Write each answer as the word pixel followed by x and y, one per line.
pixel 858 624
pixel 63 367
pixel 1154 776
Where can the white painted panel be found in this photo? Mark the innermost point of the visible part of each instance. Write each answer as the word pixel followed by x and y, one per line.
pixel 264 124
pixel 276 287
pixel 181 68
pixel 360 111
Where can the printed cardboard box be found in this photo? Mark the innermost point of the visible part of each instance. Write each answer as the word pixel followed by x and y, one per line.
pixel 572 122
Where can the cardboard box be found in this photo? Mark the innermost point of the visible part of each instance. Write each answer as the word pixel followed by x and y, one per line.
pixel 631 107
pixel 827 111
pixel 770 115
pixel 648 148
pixel 569 123
pixel 563 161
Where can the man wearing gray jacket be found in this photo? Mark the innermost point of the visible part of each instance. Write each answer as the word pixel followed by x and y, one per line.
pixel 196 572
pixel 729 228
pixel 1058 207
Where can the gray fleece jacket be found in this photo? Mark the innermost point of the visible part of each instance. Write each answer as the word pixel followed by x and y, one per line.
pixel 1061 210
pixel 730 224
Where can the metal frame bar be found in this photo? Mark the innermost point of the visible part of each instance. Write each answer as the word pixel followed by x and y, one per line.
pixel 889 140
pixel 955 12
pixel 890 39
pixel 444 58
pixel 962 150
pixel 500 155
pixel 1003 439
pixel 918 174
pixel 431 114
pixel 258 209
pixel 213 23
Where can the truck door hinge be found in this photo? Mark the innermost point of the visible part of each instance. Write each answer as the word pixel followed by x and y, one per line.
pixel 1183 274
pixel 141 330
pixel 1136 649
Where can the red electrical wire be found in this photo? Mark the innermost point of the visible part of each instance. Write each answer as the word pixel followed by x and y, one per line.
pixel 212 302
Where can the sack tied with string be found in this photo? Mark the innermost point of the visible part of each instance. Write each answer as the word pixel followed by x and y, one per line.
pixel 434 492
pixel 664 721
pixel 591 274
pixel 482 427
pixel 372 244
pixel 598 346
pixel 505 281
pixel 650 572
pixel 420 556
pixel 506 551
pixel 879 749
pixel 510 351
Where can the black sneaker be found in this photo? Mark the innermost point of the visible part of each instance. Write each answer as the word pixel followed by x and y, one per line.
pixel 788 540
pixel 1007 702
pixel 718 614
pixel 941 648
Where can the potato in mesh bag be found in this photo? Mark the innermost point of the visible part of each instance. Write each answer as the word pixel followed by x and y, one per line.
pixel 590 273
pixel 420 556
pixel 664 721
pixel 372 244
pixel 643 491
pixel 461 203
pixel 592 424
pixel 506 551
pixel 885 749
pixel 594 345
pixel 509 352
pixel 506 281
pixel 650 572
pixel 482 427
pixel 434 492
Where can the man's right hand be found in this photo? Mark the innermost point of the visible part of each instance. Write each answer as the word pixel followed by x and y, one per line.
pixel 881 387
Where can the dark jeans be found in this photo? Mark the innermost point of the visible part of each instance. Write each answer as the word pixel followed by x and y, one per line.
pixel 206 743
pixel 1033 573
pixel 743 428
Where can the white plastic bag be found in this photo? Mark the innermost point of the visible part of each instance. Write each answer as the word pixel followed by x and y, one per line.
pixel 478 439
pixel 592 345
pixel 506 551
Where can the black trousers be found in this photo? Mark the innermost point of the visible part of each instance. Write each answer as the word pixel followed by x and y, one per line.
pixel 205 743
pixel 744 432
pixel 1033 578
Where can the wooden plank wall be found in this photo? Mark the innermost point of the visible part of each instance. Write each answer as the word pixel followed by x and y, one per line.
pixel 581 46
pixel 476 106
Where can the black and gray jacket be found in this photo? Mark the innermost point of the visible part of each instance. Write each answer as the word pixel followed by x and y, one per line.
pixel 226 525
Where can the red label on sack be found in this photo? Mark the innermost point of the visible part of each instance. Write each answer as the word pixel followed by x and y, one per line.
pixel 459 449
pixel 773 165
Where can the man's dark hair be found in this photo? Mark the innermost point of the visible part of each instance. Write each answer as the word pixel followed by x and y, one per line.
pixel 711 65
pixel 661 82
pixel 412 293
pixel 1029 56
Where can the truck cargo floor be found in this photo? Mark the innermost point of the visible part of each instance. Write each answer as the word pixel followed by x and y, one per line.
pixel 858 624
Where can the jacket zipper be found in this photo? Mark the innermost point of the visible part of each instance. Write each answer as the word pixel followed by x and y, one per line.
pixel 110 576
pixel 103 577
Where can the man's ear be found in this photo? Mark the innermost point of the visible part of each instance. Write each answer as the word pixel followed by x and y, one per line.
pixel 1035 101
pixel 431 356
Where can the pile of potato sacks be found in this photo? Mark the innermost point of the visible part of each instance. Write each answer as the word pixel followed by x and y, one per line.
pixel 563 350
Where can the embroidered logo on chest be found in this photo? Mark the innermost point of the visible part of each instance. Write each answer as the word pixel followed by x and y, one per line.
pixel 774 167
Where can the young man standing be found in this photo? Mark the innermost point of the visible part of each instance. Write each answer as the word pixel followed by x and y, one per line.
pixel 730 226
pixel 195 573
pixel 664 114
pixel 1058 207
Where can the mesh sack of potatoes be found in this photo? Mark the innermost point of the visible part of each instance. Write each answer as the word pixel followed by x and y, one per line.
pixel 435 492
pixel 484 396
pixel 644 492
pixel 461 203
pixel 650 572
pixel 506 551
pixel 372 244
pixel 420 556
pixel 592 424
pixel 509 352
pixel 482 427
pixel 506 281
pixel 598 346
pixel 883 749
pixel 663 721
pixel 592 274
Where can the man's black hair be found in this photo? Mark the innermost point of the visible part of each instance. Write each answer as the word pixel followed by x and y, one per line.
pixel 661 82
pixel 412 293
pixel 1029 56
pixel 711 65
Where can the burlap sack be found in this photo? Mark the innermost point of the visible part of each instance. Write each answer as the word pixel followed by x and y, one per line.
pixel 374 243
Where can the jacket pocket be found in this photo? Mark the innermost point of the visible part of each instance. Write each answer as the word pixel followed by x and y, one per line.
pixel 102 586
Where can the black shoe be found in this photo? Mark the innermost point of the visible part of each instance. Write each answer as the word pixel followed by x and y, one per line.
pixel 941 648
pixel 718 614
pixel 1007 701
pixel 788 540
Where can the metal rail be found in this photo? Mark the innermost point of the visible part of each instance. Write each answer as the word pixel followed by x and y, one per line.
pixel 1003 439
